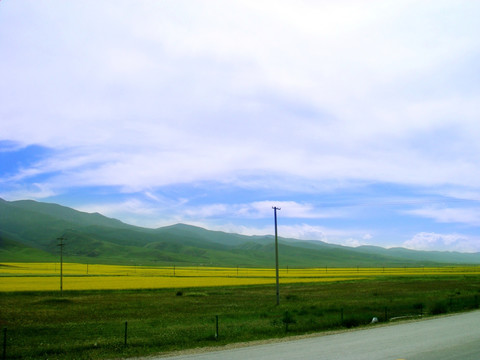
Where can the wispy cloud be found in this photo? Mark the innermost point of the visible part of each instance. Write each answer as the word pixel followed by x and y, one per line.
pixel 302 231
pixel 442 242
pixel 244 101
pixel 463 215
pixel 261 210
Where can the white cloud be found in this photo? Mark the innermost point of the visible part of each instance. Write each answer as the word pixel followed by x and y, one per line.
pixel 162 212
pixel 128 206
pixel 259 210
pixel 443 242
pixel 352 242
pixel 309 96
pixel 316 90
pixel 288 209
pixel 367 236
pixel 470 216
pixel 34 191
pixel 298 231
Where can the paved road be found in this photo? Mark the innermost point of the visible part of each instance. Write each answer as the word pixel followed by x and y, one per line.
pixel 450 337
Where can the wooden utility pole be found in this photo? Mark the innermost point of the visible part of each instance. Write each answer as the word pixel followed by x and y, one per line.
pixel 61 244
pixel 276 254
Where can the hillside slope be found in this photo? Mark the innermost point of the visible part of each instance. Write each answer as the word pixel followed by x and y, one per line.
pixel 29 232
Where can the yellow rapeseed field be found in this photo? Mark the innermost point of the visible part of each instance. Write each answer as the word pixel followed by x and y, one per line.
pixel 46 276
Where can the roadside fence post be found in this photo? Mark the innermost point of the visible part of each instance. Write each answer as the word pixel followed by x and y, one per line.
pixel 216 327
pixel 126 326
pixel 4 343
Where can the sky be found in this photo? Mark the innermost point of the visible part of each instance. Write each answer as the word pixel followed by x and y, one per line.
pixel 359 119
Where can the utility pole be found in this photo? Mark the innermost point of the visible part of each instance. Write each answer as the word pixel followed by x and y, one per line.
pixel 61 244
pixel 276 253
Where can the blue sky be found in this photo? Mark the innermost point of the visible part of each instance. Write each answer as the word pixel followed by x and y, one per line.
pixel 360 119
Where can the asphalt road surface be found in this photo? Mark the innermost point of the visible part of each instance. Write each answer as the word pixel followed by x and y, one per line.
pixel 449 337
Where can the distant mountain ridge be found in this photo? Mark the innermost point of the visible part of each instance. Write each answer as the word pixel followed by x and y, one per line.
pixel 68 214
pixel 29 232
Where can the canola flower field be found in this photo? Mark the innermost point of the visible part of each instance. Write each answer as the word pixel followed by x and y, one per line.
pixel 46 276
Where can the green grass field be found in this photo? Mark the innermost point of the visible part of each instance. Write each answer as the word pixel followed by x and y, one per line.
pixel 91 324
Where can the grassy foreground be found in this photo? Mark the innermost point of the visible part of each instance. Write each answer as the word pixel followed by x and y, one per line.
pixel 91 324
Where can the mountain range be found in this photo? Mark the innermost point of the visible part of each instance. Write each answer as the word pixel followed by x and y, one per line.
pixel 29 231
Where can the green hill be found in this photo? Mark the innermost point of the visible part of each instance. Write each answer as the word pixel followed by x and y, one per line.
pixel 29 232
